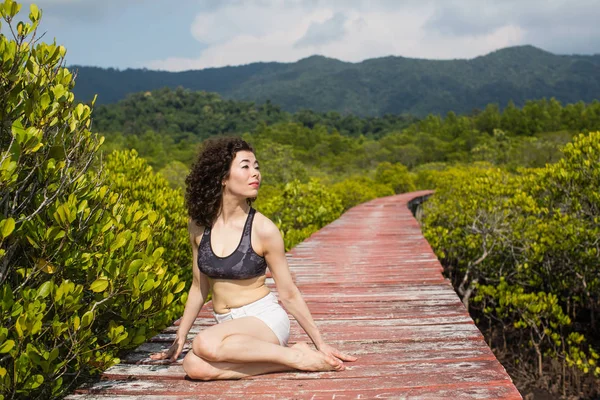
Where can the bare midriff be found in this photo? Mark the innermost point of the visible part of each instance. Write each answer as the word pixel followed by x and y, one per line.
pixel 234 293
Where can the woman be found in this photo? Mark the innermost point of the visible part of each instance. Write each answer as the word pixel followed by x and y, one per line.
pixel 232 245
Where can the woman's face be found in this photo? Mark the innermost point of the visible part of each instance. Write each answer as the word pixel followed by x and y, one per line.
pixel 244 176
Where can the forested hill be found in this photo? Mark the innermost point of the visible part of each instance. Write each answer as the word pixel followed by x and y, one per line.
pixel 373 87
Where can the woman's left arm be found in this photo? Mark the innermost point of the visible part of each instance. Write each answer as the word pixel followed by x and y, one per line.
pixel 290 296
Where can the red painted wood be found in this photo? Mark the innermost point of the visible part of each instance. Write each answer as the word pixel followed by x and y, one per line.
pixel 375 289
pixel 492 390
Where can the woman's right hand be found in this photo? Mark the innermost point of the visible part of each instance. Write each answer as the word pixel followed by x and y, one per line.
pixel 172 353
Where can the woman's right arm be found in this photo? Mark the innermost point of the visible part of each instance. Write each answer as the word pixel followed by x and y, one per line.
pixel 195 301
pixel 198 292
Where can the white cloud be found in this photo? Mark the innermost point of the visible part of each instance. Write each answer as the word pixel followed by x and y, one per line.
pixel 320 33
pixel 242 32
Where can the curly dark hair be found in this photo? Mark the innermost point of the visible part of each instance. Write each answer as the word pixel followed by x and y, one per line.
pixel 204 182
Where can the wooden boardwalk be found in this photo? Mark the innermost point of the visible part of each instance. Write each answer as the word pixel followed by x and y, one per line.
pixel 376 290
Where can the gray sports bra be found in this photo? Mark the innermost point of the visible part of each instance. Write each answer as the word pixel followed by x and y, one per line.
pixel 243 263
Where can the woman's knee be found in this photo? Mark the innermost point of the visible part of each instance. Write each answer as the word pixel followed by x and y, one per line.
pixel 206 347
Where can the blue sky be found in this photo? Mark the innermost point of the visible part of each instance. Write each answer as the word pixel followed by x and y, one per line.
pixel 193 34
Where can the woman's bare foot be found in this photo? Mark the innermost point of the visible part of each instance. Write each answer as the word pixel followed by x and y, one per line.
pixel 311 360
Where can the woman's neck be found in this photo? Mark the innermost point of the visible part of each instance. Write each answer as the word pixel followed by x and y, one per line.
pixel 232 208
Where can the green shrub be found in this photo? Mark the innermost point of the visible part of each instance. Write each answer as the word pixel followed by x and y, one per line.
pixel 278 162
pixel 300 209
pixel 396 176
pixel 359 189
pixel 175 173
pixel 84 269
pixel 135 181
pixel 425 174
pixel 524 249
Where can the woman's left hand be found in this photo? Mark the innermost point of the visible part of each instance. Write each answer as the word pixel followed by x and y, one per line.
pixel 333 352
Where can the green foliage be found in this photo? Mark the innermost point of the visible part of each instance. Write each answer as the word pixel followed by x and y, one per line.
pixel 90 279
pixel 396 176
pixel 135 181
pixel 538 313
pixel 541 315
pixel 300 209
pixel 327 145
pixel 84 272
pixel 158 149
pixel 424 174
pixel 359 189
pixel 175 173
pixel 525 245
pixel 296 152
pixel 183 113
pixel 467 206
pixel 278 161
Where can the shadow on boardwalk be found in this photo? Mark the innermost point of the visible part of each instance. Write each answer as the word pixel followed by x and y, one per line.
pixel 376 290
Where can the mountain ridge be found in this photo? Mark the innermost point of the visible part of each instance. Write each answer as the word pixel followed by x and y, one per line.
pixel 377 86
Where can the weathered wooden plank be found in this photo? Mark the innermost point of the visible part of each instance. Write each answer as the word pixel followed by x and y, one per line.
pixel 391 377
pixel 482 365
pixel 352 287
pixel 493 390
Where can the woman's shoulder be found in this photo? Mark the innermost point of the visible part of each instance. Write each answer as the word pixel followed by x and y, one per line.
pixel 264 226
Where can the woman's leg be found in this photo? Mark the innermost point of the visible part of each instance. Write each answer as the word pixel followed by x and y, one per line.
pixel 222 351
pixel 198 368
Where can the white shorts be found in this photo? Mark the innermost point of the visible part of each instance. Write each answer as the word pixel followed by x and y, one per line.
pixel 267 310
